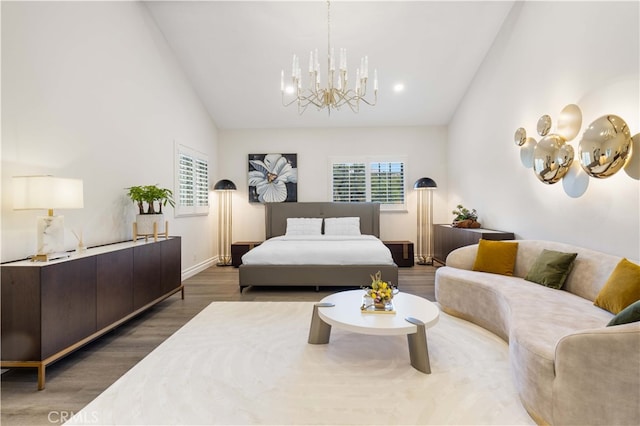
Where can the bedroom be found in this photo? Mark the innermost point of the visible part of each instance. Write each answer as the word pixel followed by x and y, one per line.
pixel 101 96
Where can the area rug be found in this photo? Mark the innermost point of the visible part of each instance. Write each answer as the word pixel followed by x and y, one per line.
pixel 240 363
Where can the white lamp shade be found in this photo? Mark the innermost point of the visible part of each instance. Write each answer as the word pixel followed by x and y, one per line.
pixel 47 193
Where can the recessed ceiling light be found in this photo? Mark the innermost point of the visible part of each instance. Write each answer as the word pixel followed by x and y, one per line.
pixel 399 87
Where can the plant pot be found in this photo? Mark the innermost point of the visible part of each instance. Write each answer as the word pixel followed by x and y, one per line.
pixel 467 223
pixel 144 223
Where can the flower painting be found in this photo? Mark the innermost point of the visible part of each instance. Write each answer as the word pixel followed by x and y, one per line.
pixel 273 178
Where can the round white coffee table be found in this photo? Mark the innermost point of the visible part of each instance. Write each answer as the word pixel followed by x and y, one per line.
pixel 413 315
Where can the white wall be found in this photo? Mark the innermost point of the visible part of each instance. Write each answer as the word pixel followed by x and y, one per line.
pixel 548 55
pixel 424 147
pixel 91 90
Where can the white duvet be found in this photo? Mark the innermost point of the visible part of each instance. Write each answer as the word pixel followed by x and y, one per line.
pixel 320 250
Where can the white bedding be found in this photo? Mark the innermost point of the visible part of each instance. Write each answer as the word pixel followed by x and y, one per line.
pixel 320 250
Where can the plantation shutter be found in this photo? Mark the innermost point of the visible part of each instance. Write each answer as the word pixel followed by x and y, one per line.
pixel 349 182
pixel 201 182
pixel 191 182
pixel 186 190
pixel 387 182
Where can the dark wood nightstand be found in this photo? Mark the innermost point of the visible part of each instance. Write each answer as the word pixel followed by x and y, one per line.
pixel 402 252
pixel 239 248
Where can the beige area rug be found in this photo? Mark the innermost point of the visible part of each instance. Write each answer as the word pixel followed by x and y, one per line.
pixel 250 363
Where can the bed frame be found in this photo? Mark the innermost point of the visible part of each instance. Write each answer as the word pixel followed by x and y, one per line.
pixel 276 215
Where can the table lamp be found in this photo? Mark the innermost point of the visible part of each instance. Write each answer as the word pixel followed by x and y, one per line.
pixel 425 187
pixel 47 193
pixel 224 187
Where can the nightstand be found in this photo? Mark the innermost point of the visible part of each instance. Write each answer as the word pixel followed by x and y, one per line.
pixel 238 249
pixel 402 252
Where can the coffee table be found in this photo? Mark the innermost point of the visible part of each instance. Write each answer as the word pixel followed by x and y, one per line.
pixel 413 315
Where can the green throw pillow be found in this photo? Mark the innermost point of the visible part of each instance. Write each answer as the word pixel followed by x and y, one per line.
pixel 629 314
pixel 551 268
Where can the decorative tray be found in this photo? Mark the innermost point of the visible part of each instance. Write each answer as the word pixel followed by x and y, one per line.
pixel 371 309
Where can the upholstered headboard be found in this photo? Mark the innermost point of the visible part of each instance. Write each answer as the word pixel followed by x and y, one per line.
pixel 276 215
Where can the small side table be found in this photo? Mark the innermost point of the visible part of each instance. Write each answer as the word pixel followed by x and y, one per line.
pixel 238 249
pixel 402 252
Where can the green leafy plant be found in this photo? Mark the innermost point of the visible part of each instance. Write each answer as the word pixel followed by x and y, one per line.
pixel 150 196
pixel 463 213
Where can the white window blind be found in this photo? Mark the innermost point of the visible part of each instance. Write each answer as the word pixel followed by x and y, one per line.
pixel 369 179
pixel 192 182
pixel 387 182
pixel 349 182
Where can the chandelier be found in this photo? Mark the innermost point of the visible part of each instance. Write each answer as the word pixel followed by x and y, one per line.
pixel 336 94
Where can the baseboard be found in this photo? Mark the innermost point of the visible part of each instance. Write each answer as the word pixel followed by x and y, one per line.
pixel 197 268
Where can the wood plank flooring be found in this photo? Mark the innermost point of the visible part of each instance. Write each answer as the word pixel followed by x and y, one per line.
pixel 76 380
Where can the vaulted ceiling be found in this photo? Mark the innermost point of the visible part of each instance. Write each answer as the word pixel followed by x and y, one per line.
pixel 233 53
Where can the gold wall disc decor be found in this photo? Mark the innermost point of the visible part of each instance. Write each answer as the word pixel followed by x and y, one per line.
pixel 544 125
pixel 605 146
pixel 565 155
pixel 551 159
pixel 569 122
pixel 520 137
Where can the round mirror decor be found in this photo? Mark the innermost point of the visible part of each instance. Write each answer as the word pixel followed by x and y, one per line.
pixel 526 152
pixel 520 137
pixel 565 155
pixel 605 146
pixel 544 125
pixel 550 161
pixel 570 122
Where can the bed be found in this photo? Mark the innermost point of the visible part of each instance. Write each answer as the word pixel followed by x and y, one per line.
pixel 343 274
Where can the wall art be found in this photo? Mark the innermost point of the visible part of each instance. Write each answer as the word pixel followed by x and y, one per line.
pixel 273 178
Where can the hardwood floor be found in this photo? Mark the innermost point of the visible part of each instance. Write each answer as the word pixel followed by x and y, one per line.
pixel 76 380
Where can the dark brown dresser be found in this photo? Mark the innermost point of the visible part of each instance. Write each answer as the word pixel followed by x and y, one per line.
pixel 446 239
pixel 50 309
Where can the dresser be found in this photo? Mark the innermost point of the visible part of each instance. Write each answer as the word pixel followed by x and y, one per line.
pixel 446 239
pixel 50 309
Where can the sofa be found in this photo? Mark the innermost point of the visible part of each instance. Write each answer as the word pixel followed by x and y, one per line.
pixel 568 366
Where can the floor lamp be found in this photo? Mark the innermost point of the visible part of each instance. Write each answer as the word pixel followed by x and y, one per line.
pixel 224 187
pixel 425 187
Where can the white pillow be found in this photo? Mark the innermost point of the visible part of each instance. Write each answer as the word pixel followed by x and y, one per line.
pixel 342 226
pixel 304 226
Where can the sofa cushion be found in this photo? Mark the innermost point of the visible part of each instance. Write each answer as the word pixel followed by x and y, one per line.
pixel 621 289
pixel 496 257
pixel 629 314
pixel 551 268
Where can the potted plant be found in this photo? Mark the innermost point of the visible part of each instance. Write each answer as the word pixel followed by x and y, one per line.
pixel 465 218
pixel 150 199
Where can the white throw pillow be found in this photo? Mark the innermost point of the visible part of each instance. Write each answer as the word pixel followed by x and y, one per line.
pixel 304 226
pixel 342 226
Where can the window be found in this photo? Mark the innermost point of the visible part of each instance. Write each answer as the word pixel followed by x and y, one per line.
pixel 192 182
pixel 369 180
pixel 349 182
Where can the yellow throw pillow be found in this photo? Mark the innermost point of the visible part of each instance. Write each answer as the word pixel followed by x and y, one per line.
pixel 496 257
pixel 621 289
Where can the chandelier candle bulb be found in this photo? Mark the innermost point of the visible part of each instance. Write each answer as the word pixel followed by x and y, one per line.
pixel 375 81
pixel 332 63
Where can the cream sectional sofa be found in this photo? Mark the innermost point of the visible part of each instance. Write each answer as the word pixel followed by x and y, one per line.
pixel 568 366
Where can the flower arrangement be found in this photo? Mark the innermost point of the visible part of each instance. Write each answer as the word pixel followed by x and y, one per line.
pixel 380 291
